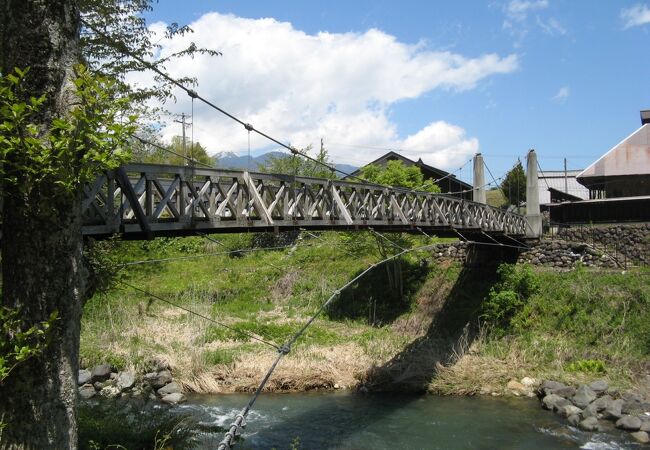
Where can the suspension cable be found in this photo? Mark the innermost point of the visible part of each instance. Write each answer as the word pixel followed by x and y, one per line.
pixel 239 422
pixel 163 148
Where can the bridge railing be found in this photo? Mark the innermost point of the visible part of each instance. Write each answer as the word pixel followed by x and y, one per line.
pixel 159 198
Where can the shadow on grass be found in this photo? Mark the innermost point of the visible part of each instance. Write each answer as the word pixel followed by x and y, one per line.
pixel 452 330
pixel 455 325
pixel 375 298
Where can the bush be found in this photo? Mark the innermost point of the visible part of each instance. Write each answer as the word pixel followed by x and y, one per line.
pixel 508 296
pixel 587 366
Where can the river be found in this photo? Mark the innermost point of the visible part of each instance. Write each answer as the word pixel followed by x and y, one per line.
pixel 346 421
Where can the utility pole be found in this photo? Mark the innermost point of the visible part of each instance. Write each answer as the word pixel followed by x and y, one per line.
pixel 183 124
pixel 566 181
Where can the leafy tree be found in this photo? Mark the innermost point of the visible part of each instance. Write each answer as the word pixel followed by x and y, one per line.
pixel 395 173
pixel 297 165
pixel 514 185
pixel 58 127
pixel 111 29
pixel 143 152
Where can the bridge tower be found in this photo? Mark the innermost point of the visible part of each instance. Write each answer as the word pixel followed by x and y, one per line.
pixel 478 194
pixel 533 215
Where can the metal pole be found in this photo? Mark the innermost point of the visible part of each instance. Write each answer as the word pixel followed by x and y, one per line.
pixel 566 182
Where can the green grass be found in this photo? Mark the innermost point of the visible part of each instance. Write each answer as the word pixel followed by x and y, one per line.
pixel 573 317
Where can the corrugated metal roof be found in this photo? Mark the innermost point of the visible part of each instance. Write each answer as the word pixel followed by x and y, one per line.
pixel 555 179
pixel 631 156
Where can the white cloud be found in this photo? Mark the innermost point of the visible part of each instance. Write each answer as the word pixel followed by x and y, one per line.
pixel 562 94
pixel 518 10
pixel 635 16
pixel 299 87
pixel 552 26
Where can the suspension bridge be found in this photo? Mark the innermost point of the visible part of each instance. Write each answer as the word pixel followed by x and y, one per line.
pixel 144 200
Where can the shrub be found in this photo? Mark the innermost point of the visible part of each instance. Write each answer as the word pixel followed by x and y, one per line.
pixel 509 295
pixel 587 366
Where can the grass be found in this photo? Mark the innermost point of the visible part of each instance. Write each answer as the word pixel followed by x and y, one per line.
pixel 424 328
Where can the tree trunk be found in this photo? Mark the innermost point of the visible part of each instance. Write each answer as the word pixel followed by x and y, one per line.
pixel 42 270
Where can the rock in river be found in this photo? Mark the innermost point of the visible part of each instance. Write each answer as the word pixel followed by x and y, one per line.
pixel 101 373
pixel 171 388
pixel 629 423
pixel 173 399
pixel 125 381
pixel 84 377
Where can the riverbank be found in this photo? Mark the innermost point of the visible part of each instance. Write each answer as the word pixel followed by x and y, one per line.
pixel 411 327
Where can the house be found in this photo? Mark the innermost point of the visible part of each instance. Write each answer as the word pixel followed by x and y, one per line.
pixel 618 183
pixel 448 182
pixel 624 171
pixel 556 186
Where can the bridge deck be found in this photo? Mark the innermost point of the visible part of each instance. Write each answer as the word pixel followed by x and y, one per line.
pixel 145 199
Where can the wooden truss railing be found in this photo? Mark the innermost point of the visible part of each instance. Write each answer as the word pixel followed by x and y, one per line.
pixel 160 199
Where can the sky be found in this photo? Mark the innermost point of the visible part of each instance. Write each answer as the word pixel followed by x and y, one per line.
pixel 436 80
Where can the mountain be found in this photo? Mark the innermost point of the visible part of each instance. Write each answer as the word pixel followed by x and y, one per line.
pixel 230 160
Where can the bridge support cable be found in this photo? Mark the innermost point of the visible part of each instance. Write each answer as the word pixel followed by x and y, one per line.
pixel 500 186
pixel 390 241
pixel 497 244
pixel 209 319
pixel 165 149
pixel 229 439
pixel 516 241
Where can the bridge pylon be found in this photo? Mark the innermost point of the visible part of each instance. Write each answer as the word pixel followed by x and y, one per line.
pixel 478 193
pixel 533 215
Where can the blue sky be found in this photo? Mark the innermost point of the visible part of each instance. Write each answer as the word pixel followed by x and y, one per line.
pixel 567 78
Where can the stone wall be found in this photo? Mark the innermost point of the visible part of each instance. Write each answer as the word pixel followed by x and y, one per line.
pixel 455 251
pixel 627 242
pixel 565 254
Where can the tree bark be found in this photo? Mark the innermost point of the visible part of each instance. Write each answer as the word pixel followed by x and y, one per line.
pixel 42 270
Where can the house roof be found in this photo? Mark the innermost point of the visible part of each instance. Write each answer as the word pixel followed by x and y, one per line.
pixel 554 179
pixel 631 156
pixel 438 173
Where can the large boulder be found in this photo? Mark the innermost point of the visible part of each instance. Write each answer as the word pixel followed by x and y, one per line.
pixel 158 379
pixel 84 377
pixel 554 402
pixel 599 386
pixel 87 391
pixel 613 411
pixel 629 423
pixel 100 373
pixel 570 410
pixel 110 392
pixel 602 403
pixel 589 424
pixel 565 392
pixel 641 437
pixel 173 399
pixel 549 386
pixel 171 388
pixel 583 396
pixel 125 381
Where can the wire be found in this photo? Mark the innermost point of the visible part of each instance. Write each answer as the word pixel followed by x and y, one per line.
pixel 384 237
pixel 160 147
pixel 194 95
pixel 285 349
pixel 209 319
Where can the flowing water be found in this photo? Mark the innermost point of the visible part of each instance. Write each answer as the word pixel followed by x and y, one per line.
pixel 346 421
